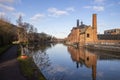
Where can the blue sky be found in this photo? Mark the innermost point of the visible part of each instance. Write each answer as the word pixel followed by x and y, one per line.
pixel 57 17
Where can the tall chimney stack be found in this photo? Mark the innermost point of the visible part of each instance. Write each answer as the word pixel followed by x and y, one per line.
pixel 94 21
pixel 94 26
pixel 77 22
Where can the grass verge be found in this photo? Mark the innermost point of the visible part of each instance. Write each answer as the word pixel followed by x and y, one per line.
pixel 29 69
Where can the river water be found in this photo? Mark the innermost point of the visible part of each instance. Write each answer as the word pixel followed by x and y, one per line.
pixel 61 62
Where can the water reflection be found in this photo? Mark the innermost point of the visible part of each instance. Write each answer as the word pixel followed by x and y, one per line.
pixel 40 47
pixel 62 62
pixel 83 57
pixel 40 57
pixel 43 61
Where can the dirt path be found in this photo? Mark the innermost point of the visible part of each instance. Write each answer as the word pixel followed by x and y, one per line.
pixel 9 66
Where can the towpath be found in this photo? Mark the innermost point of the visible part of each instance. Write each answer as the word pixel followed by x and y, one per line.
pixel 9 66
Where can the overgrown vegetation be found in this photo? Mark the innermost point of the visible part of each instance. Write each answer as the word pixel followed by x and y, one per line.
pixel 7 32
pixel 29 69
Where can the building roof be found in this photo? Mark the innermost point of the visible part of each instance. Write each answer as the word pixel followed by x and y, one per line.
pixel 82 25
pixel 82 28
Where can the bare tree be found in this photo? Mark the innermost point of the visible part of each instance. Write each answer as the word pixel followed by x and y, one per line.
pixel 22 32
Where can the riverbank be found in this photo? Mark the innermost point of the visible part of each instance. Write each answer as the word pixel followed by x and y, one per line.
pixel 104 47
pixel 29 69
pixel 14 68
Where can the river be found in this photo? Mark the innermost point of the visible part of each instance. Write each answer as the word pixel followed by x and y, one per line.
pixel 61 62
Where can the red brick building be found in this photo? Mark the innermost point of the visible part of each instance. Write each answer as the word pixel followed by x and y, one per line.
pixel 84 34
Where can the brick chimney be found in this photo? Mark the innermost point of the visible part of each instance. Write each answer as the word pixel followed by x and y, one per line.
pixel 94 26
pixel 94 21
pixel 77 22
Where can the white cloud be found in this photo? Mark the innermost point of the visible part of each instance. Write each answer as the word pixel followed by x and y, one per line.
pixel 37 17
pixel 7 8
pixel 55 12
pixel 98 8
pixel 18 14
pixel 2 14
pixel 70 9
pixel 87 7
pixel 9 1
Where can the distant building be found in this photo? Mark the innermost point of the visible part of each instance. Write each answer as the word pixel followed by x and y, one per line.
pixel 109 37
pixel 112 31
pixel 112 34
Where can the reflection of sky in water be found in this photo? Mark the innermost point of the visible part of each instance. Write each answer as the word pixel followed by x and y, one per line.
pixel 108 70
pixel 56 64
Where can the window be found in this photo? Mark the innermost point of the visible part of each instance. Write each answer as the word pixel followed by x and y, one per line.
pixel 88 35
pixel 114 30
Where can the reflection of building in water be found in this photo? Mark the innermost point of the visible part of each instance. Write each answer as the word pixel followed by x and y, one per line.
pixel 81 56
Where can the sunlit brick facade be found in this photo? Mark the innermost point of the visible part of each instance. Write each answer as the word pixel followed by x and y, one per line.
pixel 84 34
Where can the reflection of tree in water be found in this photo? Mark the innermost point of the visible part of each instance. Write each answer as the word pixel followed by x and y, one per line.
pixel 42 60
pixel 39 55
pixel 40 47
